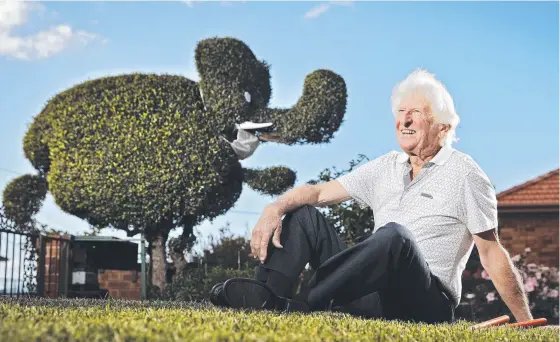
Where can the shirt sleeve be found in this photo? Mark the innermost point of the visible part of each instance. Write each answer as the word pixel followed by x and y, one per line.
pixel 480 203
pixel 359 183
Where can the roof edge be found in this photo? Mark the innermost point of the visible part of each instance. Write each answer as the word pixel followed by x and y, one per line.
pixel 526 184
pixel 532 208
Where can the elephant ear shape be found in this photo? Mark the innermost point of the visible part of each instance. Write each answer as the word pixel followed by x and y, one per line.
pixel 270 181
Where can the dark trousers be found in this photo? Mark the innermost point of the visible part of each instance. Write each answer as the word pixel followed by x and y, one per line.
pixel 384 276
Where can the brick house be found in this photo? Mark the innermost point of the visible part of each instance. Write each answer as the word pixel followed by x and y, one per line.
pixel 528 217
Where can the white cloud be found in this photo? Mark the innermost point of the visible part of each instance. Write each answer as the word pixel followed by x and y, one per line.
pixel 317 10
pixel 43 44
pixel 189 3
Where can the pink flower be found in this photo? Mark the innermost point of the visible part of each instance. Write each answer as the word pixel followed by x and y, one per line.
pixel 491 297
pixel 485 275
pixel 529 287
pixel 527 250
pixel 532 282
pixel 516 258
pixel 553 294
pixel 538 275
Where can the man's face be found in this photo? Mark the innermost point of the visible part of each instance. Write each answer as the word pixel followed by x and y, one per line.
pixel 416 132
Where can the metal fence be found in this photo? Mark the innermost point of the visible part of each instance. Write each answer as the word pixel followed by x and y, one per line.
pixel 17 265
pixel 33 264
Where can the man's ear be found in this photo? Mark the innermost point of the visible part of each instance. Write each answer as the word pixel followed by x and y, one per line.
pixel 444 128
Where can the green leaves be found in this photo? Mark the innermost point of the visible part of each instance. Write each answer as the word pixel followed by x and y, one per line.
pixel 319 112
pixel 134 148
pixel 270 181
pixel 22 199
pixel 228 68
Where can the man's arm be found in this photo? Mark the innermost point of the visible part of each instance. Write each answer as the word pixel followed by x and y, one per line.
pixel 318 195
pixel 507 280
pixel 270 222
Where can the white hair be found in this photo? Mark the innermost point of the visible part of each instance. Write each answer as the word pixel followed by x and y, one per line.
pixel 421 82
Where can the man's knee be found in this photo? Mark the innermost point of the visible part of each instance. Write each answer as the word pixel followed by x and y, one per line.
pixel 305 213
pixel 305 209
pixel 393 231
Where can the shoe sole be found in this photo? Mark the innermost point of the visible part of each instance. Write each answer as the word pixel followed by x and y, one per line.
pixel 243 293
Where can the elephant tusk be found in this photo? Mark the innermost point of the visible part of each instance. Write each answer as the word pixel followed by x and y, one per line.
pixel 270 136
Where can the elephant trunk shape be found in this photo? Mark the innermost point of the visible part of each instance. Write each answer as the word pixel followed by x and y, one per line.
pixel 316 116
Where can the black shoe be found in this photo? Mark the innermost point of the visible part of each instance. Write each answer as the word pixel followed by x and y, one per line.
pixel 244 293
pixel 216 295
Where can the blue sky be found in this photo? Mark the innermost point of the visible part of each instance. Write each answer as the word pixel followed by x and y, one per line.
pixel 499 60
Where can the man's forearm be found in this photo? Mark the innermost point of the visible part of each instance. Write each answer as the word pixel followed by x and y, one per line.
pixel 297 197
pixel 509 284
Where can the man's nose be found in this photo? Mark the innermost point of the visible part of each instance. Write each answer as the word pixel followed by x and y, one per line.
pixel 407 123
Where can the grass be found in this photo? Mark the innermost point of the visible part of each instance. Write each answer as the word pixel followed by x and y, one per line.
pixel 118 320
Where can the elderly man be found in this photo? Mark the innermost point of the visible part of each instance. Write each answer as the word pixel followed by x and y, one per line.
pixel 431 203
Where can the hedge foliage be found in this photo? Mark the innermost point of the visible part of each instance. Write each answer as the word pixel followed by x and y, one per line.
pixel 319 112
pixel 103 320
pixel 144 152
pixel 131 151
pixel 22 199
pixel 270 181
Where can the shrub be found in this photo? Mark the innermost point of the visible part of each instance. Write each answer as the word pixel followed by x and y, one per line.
pixel 481 300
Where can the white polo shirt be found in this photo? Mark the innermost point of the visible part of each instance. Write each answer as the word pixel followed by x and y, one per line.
pixel 449 200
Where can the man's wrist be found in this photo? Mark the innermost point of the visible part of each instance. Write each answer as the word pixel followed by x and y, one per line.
pixel 274 208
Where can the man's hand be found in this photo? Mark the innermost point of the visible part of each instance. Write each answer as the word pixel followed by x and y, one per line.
pixel 502 272
pixel 270 222
pixel 269 225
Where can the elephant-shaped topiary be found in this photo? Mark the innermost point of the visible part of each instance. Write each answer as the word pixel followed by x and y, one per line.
pixel 146 152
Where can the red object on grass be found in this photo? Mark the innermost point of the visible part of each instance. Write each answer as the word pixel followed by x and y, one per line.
pixel 529 324
pixel 492 322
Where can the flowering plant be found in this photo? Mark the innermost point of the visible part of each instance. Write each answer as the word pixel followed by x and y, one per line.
pixel 482 301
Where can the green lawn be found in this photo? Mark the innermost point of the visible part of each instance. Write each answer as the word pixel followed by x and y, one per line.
pixel 101 320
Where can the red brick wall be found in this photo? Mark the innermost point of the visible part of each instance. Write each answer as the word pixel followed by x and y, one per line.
pixel 536 231
pixel 121 284
pixel 53 264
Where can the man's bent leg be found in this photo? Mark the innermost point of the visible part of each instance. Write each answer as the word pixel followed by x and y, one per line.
pixel 389 263
pixel 306 238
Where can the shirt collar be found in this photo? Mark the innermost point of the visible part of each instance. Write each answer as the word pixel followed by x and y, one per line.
pixel 439 159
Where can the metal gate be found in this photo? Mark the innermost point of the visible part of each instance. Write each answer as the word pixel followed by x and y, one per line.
pixel 32 264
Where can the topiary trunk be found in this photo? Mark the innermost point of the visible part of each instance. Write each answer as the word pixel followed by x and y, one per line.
pixel 158 259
